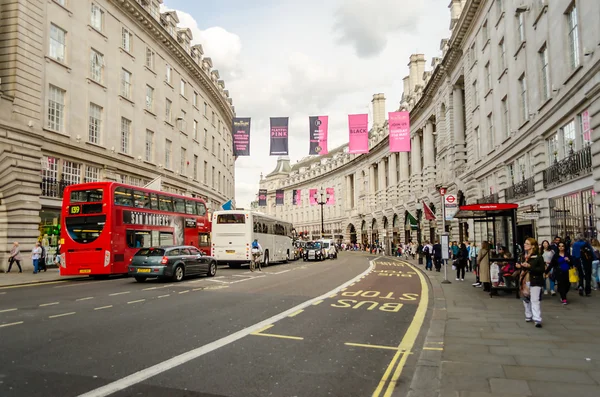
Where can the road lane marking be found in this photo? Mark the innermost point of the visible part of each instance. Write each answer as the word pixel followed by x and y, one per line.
pixel 284 271
pixel 219 281
pixel 10 324
pixel 120 293
pixel 137 301
pixel 2 293
pixel 164 296
pixel 296 313
pixel 317 302
pixel 241 275
pixel 183 358
pixel 433 348
pixel 372 346
pixel 184 292
pixel 407 343
pixel 332 295
pixel 7 310
pixel 84 299
pixel 103 307
pixel 266 327
pixel 49 304
pixel 278 336
pixel 62 315
pixel 32 284
pixel 149 289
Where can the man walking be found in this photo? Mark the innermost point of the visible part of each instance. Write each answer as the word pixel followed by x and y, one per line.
pixel 437 255
pixel 583 256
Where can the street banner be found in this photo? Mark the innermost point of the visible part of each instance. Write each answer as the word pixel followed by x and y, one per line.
pixel 330 196
pixel 429 215
pixel 585 121
pixel 279 136
pixel 312 193
pixel 241 136
pixel 299 197
pixel 279 197
pixel 294 197
pixel 450 206
pixel 399 127
pixel 358 124
pixel 228 206
pixel 262 197
pixel 318 126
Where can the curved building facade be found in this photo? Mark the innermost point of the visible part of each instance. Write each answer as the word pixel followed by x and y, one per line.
pixel 509 113
pixel 104 90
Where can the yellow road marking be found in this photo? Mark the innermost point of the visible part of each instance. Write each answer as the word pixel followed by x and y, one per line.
pixel 266 327
pixel 433 348
pixel 317 302
pixel 296 313
pixel 84 299
pixel 9 324
pixel 7 310
pixel 164 296
pixel 279 336
pixel 332 295
pixel 103 307
pixel 49 304
pixel 137 301
pixel 61 315
pixel 372 346
pixel 120 293
pixel 33 284
pixel 343 289
pixel 185 292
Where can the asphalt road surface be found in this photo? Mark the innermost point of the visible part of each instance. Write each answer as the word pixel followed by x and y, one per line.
pixel 346 327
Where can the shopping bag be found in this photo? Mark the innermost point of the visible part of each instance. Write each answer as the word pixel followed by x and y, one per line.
pixel 573 276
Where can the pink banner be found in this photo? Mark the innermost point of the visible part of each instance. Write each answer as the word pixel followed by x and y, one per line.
pixel 358 125
pixel 311 196
pixel 585 121
pixel 399 127
pixel 330 196
pixel 299 197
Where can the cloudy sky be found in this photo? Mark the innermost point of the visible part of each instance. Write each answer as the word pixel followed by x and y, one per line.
pixel 309 58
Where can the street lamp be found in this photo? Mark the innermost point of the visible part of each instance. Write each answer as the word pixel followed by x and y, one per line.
pixel 322 193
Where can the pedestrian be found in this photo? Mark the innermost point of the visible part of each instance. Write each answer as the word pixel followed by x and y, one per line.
pixel 483 262
pixel 461 262
pixel 596 264
pixel 42 264
pixel 582 257
pixel 561 263
pixel 15 256
pixel 473 254
pixel 437 255
pixel 455 249
pixel 548 254
pixel 531 281
pixel 36 254
pixel 428 251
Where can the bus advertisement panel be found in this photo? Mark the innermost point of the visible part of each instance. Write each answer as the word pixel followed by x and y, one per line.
pixel 234 231
pixel 105 223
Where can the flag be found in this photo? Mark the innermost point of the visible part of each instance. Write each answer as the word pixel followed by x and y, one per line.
pixel 399 128
pixel 358 125
pixel 279 195
pixel 240 132
pixel 262 197
pixel 228 206
pixel 318 135
pixel 429 215
pixel 279 136
pixel 311 196
pixel 330 196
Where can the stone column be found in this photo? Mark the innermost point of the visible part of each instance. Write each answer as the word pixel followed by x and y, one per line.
pixel 458 115
pixel 393 183
pixel 348 193
pixel 372 192
pixel 428 156
pixel 416 184
pixel 404 182
pixel 382 192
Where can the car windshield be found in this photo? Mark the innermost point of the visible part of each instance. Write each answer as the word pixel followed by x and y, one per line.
pixel 325 245
pixel 150 252
pixel 315 246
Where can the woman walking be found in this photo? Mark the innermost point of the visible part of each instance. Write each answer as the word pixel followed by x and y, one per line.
pixel 36 254
pixel 15 256
pixel 483 262
pixel 561 263
pixel 596 264
pixel 531 281
pixel 548 254
pixel 461 262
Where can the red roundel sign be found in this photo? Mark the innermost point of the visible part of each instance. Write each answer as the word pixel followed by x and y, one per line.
pixel 450 199
pixel 443 191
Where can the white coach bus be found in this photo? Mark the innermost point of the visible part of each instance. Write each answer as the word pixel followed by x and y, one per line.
pixel 234 231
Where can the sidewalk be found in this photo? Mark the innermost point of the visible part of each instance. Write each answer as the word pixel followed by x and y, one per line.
pixel 27 277
pixel 490 351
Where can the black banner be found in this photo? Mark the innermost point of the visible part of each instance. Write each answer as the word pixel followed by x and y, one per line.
pixel 240 132
pixel 190 223
pixel 262 197
pixel 294 196
pixel 279 197
pixel 279 136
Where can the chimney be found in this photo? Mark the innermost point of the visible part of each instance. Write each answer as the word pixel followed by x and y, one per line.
pixel 378 110
pixel 416 67
pixel 420 69
pixel 406 90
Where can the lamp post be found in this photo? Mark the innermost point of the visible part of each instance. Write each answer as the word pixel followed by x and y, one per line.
pixel 322 193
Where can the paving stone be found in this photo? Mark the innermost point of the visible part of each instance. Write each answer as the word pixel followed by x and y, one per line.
pixel 464 382
pixel 486 394
pixel 469 357
pixel 595 375
pixel 510 386
pixel 547 374
pixel 558 389
pixel 466 348
pixel 475 341
pixel 577 354
pixel 566 363
pixel 521 350
pixel 472 370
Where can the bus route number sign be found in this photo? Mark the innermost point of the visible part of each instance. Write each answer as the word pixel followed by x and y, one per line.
pixel 75 209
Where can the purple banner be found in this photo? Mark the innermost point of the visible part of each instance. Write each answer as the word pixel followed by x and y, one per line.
pixel 262 197
pixel 318 134
pixel 241 136
pixel 330 196
pixel 399 128
pixel 358 125
pixel 279 195
pixel 279 136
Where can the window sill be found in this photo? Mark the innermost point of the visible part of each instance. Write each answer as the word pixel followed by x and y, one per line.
pixel 124 51
pixel 169 124
pixel 64 65
pixel 473 65
pixel 544 104
pixel 523 124
pixel 149 163
pixel 499 19
pixel 183 96
pixel 127 99
pixel 196 107
pixel 63 7
pixel 126 155
pixel 573 73
pixel 504 72
pixel 205 117
pixel 506 139
pixel 92 81
pixel 521 46
pixel 95 145
pixel 183 132
pixel 97 31
pixel 476 108
pixel 169 84
pixel 206 148
pixel 539 16
pixel 485 45
pixel 488 93
pixel 150 70
pixel 56 132
pixel 196 141
pixel 150 112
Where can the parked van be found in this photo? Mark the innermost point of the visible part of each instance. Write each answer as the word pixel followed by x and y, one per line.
pixel 329 248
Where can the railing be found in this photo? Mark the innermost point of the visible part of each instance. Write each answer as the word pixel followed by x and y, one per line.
pixel 576 164
pixel 492 198
pixel 53 188
pixel 520 190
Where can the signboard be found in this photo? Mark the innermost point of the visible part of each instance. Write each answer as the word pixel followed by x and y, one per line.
pixel 450 206
pixel 146 218
pixel 190 223
pixel 443 191
pixel 445 244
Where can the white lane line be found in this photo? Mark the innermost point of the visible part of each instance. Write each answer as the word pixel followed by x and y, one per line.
pixel 7 310
pixel 219 281
pixel 2 293
pixel 149 289
pixel 103 307
pixel 49 304
pixel 164 296
pixel 241 275
pixel 62 315
pixel 87 298
pixel 137 301
pixel 246 279
pixel 156 369
pixel 120 293
pixel 184 292
pixel 9 324
pixel 283 271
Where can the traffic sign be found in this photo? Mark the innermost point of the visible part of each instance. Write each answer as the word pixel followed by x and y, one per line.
pixel 450 199
pixel 443 191
pixel 450 207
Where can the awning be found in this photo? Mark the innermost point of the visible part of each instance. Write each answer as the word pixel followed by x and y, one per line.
pixel 485 210
pixel 412 221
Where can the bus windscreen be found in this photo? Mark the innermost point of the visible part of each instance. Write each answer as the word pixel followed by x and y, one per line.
pixel 231 218
pixel 87 196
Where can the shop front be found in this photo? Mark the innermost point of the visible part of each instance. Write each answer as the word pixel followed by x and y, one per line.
pixel 49 232
pixel 574 213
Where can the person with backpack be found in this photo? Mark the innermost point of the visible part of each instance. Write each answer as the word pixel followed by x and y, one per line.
pixel 256 253
pixel 560 264
pixel 583 256
pixel 437 255
pixel 428 252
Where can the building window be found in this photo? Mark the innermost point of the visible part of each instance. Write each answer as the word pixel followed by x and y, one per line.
pixel 212 180
pixel 553 152
pixel 219 152
pixel 472 54
pixel 488 78
pixel 545 74
pixel 505 117
pixel 510 173
pixel 499 7
pixel 585 128
pixel 195 131
pixel 168 74
pixel 219 181
pixel 502 53
pixel 206 138
pixel 97 66
pixel 223 158
pixel 150 55
pixel 569 137
pixel 125 84
pixel 168 154
pixel 205 180
pixel 492 132
pixel 195 167
pixel 92 174
pixel 485 34
pixel 212 149
pixel 149 98
pixel 213 119
pixel 125 134
pixel 182 161
pixel 58 44
pixel 195 99
pixel 97 18
pixel 477 143
pixel 168 114
pixel 95 125
pixel 56 108
pixel 71 172
pixel 182 88
pixel 573 37
pixel 181 120
pixel 126 39
pixel 521 27
pixel 149 146
pixel 205 110
pixel 524 101
pixel 61 2
pixel 475 94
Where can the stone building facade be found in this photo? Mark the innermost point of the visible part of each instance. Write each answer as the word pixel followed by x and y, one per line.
pixel 103 90
pixel 510 112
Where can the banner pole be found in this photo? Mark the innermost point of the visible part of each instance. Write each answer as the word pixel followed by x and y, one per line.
pixel 445 241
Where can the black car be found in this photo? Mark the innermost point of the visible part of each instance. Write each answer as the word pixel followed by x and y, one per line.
pixel 313 251
pixel 174 262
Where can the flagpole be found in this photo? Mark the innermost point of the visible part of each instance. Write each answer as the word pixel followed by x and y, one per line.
pixel 445 237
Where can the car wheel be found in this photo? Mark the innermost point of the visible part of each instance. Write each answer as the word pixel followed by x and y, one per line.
pixel 178 273
pixel 212 269
pixel 266 260
pixel 140 279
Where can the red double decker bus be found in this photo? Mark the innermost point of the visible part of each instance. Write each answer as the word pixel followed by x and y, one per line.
pixel 103 224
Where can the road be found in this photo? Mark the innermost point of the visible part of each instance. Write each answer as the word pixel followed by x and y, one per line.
pixel 346 327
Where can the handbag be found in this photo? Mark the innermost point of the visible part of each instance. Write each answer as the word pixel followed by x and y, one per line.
pixel 573 276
